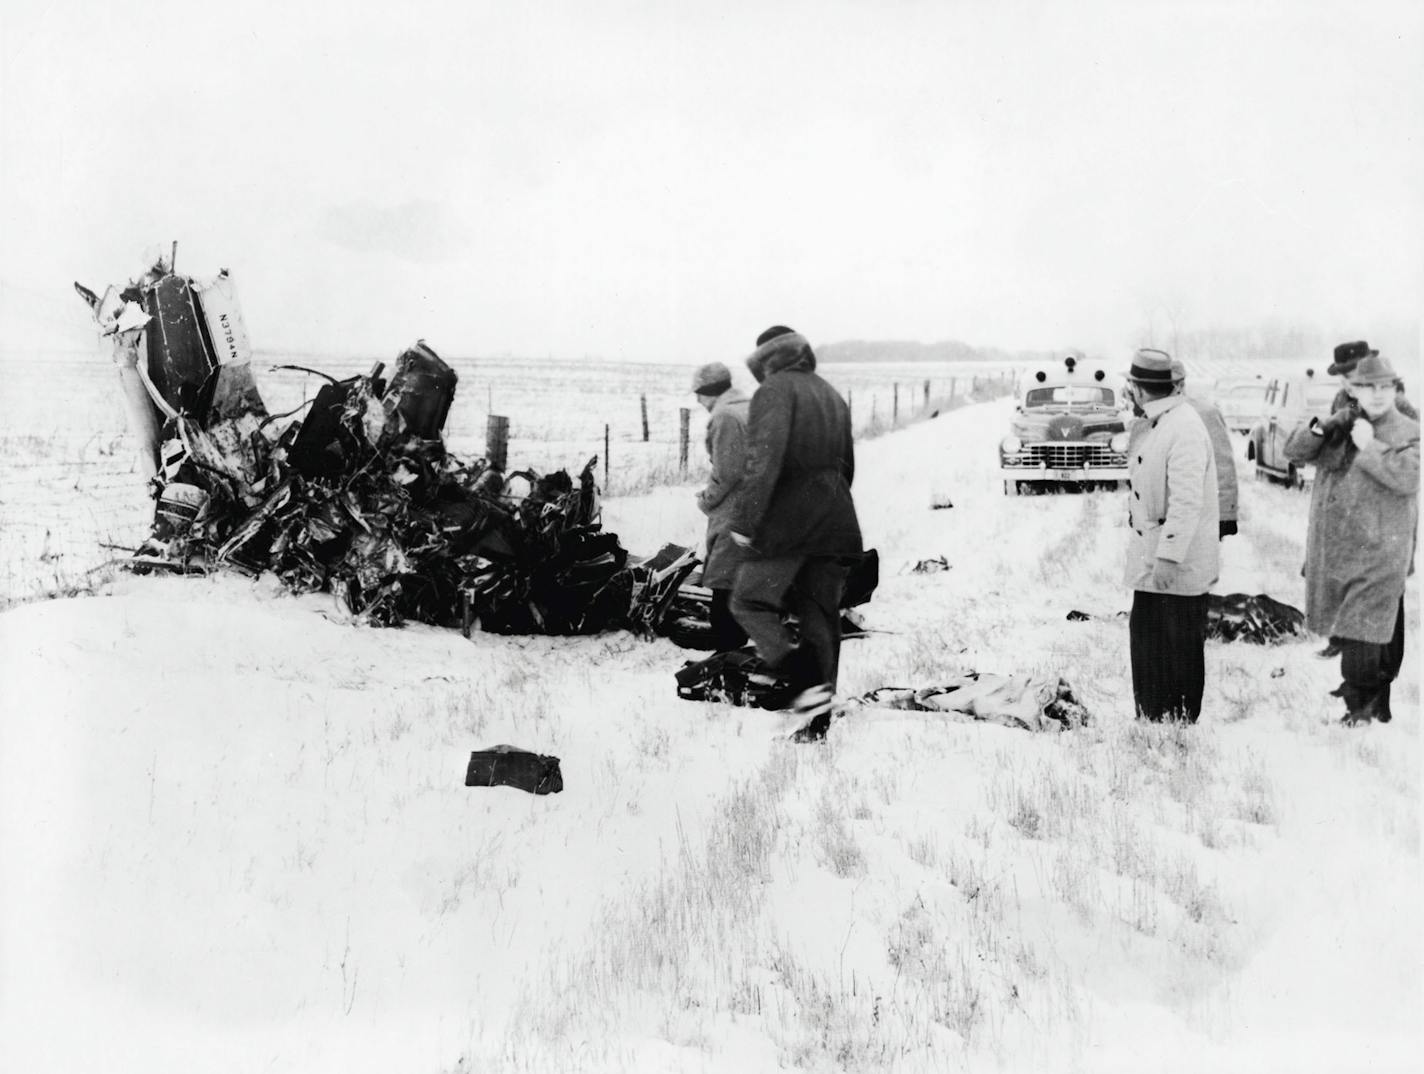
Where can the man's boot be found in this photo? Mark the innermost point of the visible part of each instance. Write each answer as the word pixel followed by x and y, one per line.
pixel 1360 710
pixel 1330 651
pixel 813 712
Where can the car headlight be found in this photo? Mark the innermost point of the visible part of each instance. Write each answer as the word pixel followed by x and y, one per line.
pixel 1011 445
pixel 1118 442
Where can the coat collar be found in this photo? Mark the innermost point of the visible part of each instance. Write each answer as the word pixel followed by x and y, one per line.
pixel 731 395
pixel 1153 409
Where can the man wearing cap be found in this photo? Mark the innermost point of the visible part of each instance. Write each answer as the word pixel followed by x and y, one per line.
pixel 796 520
pixel 727 449
pixel 1227 491
pixel 1359 547
pixel 1172 554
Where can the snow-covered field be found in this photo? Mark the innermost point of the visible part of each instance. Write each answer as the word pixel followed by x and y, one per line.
pixel 236 838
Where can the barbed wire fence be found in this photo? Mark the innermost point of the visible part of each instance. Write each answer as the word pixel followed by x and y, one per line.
pixel 74 503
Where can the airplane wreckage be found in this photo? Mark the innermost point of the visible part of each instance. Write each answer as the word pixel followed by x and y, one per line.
pixel 355 493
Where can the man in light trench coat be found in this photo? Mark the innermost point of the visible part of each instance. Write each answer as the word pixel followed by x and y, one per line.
pixel 727 408
pixel 1359 548
pixel 1172 554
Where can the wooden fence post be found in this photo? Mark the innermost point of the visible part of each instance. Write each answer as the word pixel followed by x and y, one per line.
pixel 644 400
pixel 605 456
pixel 683 417
pixel 927 393
pixel 497 441
pixel 895 403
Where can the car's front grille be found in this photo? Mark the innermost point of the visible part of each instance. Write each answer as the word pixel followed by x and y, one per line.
pixel 1066 456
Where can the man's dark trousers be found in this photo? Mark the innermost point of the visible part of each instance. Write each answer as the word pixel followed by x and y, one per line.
pixel 727 633
pixel 1167 641
pixel 808 587
pixel 1368 670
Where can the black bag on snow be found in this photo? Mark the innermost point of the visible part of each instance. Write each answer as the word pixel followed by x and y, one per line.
pixel 509 766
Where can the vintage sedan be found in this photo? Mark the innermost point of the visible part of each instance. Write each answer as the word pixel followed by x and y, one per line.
pixel 1241 400
pixel 1290 402
pixel 1069 431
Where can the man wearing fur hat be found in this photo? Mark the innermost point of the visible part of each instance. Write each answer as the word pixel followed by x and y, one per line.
pixel 1172 554
pixel 727 450
pixel 1359 548
pixel 797 520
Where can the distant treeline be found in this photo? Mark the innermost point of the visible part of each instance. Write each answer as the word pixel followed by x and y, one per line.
pixel 894 350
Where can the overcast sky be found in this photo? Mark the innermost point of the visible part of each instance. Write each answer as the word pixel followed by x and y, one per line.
pixel 667 179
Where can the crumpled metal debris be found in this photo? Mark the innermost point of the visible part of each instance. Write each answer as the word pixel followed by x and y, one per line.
pixel 359 496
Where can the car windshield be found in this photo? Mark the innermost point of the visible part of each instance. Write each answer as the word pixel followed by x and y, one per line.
pixel 1246 393
pixel 1069 395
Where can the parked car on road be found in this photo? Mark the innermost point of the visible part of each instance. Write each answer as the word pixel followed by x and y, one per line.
pixel 1241 400
pixel 1068 431
pixel 1290 401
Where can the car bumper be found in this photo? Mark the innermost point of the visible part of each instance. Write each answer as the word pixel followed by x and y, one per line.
pixel 1044 472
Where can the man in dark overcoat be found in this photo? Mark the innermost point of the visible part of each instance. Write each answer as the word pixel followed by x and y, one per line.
pixel 796 519
pixel 727 411
pixel 1359 547
pixel 1227 488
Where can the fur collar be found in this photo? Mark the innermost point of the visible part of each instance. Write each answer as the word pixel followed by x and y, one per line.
pixel 788 351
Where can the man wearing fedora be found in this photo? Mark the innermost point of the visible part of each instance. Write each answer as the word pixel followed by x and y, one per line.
pixel 1346 357
pixel 1172 553
pixel 1338 448
pixel 726 408
pixel 1359 546
pixel 797 522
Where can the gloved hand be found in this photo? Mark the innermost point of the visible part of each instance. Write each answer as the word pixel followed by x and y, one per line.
pixel 1338 423
pixel 1225 528
pixel 1164 574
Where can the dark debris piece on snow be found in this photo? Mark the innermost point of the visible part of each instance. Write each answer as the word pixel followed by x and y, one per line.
pixel 509 766
pixel 1261 620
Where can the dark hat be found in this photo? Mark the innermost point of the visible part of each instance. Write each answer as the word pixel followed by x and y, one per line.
pixel 1372 369
pixel 714 378
pixel 1347 355
pixel 772 332
pixel 780 348
pixel 1151 366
